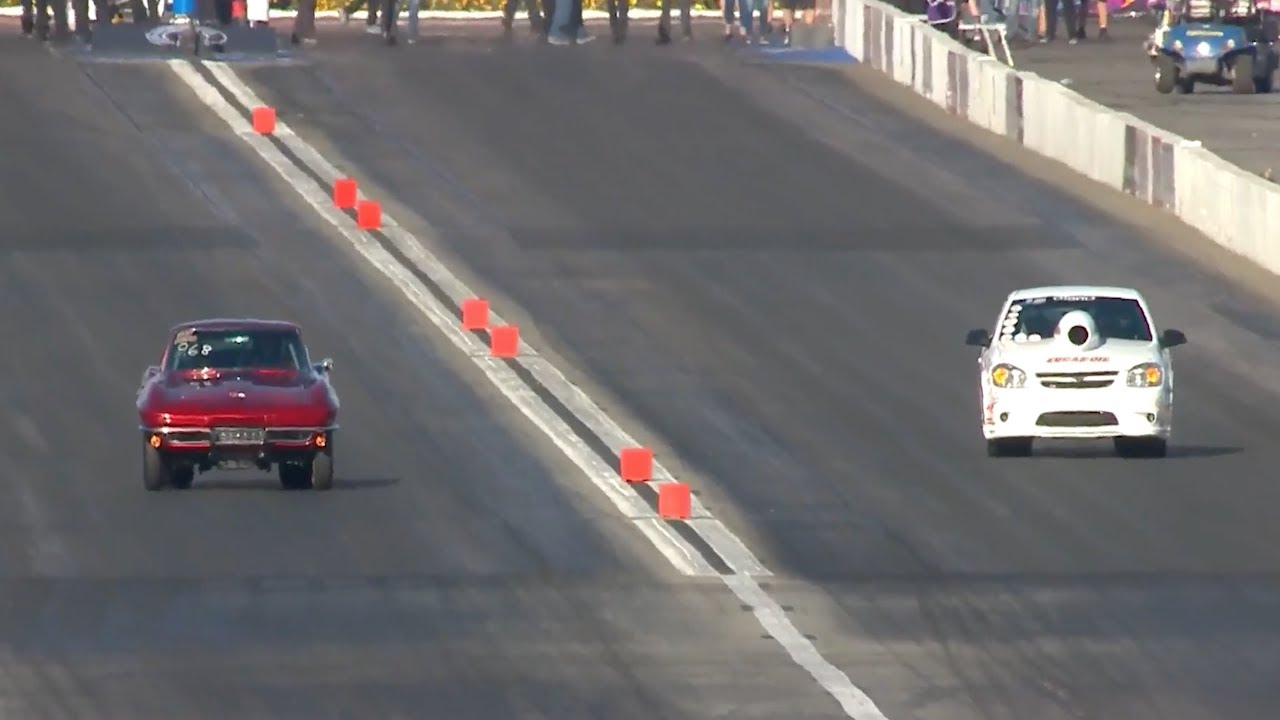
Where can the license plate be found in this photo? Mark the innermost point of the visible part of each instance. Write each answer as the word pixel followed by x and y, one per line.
pixel 238 436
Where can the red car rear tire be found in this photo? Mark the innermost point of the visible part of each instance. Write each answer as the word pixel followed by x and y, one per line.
pixel 155 471
pixel 322 470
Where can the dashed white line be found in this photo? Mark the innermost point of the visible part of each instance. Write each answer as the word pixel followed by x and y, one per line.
pixel 686 559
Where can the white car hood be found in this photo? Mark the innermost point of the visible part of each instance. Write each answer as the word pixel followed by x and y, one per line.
pixel 1059 356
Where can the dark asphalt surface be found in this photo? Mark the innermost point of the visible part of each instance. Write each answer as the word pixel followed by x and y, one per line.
pixel 767 272
pixel 460 569
pixel 1120 75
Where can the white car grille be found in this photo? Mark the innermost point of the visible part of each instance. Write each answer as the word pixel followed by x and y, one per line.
pixel 1077 380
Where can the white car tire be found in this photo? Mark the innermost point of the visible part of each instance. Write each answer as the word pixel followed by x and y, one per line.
pixel 1009 447
pixel 1142 447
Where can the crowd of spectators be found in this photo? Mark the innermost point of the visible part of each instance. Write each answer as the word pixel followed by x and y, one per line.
pixel 559 21
pixel 1025 22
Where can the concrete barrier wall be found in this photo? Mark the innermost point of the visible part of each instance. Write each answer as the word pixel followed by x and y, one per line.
pixel 1236 208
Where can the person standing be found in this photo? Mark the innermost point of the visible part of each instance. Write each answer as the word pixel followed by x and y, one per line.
pixel 1051 19
pixel 618 22
pixel 1101 8
pixel 532 9
pixel 84 27
pixel 807 9
pixel 414 7
pixel 686 21
pixel 28 18
pixel 41 20
pixel 390 11
pixel 370 21
pixel 567 26
pixel 304 23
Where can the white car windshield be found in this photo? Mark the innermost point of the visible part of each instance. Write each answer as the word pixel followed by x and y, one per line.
pixel 1037 318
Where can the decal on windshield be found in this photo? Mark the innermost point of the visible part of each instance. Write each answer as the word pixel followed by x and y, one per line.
pixel 1009 327
pixel 185 337
pixel 1073 298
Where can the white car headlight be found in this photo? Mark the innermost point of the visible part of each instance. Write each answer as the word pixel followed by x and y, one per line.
pixel 1005 375
pixel 1146 375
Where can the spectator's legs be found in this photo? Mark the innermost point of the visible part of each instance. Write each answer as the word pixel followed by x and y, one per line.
pixel 810 8
pixel 561 23
pixel 304 23
pixel 730 7
pixel 59 10
pixel 80 9
pixel 745 18
pixel 1013 19
pixel 414 6
pixel 1035 11
pixel 537 19
pixel 28 17
pixel 531 8
pixel 686 21
pixel 548 10
pixel 580 32
pixel 1051 18
pixel 390 8
pixel 618 10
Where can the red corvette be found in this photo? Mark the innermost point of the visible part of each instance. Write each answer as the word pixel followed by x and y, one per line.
pixel 237 394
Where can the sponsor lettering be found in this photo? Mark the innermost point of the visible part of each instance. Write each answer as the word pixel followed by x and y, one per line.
pixel 1080 359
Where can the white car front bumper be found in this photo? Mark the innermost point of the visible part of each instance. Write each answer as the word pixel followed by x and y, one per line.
pixel 1063 413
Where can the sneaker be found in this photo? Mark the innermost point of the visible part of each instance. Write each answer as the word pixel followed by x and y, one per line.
pixel 583 37
pixel 373 30
pixel 558 38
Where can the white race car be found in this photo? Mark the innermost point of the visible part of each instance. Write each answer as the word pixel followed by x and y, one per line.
pixel 1076 362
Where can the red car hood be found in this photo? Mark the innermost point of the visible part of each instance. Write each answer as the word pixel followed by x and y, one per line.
pixel 252 397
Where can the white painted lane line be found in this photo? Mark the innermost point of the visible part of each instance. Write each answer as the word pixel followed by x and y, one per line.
pixel 727 545
pixel 855 703
pixel 684 557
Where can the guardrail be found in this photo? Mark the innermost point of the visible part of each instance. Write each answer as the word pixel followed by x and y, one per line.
pixel 1236 208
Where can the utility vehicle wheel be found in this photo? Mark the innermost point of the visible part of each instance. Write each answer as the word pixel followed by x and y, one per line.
pixel 1144 447
pixel 1266 82
pixel 1166 74
pixel 1242 80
